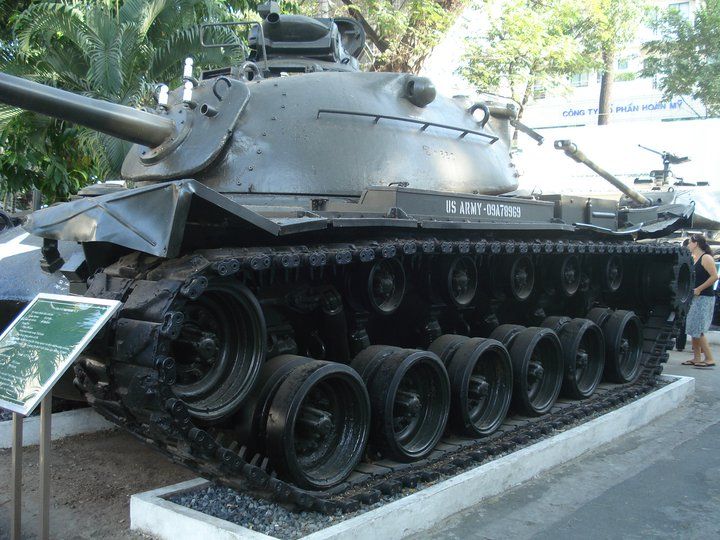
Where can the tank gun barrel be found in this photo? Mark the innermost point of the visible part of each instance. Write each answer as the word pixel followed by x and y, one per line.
pixel 117 120
pixel 659 153
pixel 572 151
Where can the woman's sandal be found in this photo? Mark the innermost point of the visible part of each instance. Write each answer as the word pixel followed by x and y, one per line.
pixel 703 364
pixel 692 362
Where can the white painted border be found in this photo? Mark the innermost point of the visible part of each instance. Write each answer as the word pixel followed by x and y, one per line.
pixel 64 424
pixel 152 514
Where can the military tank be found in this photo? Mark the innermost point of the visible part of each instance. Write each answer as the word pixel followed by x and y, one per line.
pixel 330 290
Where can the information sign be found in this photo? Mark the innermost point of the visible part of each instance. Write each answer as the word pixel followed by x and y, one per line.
pixel 42 343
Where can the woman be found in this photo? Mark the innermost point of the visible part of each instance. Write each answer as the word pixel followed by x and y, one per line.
pixel 700 314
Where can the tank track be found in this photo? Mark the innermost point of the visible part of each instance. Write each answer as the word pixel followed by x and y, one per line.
pixel 135 390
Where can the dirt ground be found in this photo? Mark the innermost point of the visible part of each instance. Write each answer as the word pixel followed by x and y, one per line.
pixel 93 477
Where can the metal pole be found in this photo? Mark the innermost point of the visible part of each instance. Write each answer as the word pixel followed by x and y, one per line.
pixel 16 477
pixel 45 412
pixel 36 199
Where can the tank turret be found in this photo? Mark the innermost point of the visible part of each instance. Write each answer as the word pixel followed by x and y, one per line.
pixel 249 129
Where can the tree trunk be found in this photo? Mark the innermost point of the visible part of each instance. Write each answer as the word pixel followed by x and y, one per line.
pixel 606 83
pixel 529 87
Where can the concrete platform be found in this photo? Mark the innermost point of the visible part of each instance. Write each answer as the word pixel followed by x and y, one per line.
pixel 713 337
pixel 64 424
pixel 151 513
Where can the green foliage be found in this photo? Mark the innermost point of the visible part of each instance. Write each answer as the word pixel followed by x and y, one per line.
pixel 114 50
pixel 686 57
pixel 532 43
pixel 528 44
pixel 405 33
pixel 38 152
pixel 625 77
pixel 611 24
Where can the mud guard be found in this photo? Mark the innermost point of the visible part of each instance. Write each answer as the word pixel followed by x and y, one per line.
pixel 150 219
pixel 153 219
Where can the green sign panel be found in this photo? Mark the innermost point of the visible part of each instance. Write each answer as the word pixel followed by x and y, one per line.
pixel 42 343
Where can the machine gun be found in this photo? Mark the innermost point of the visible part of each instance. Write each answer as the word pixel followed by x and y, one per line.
pixel 660 177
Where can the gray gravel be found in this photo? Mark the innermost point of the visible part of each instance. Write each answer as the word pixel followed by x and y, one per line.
pixel 262 516
pixel 268 517
pixel 280 522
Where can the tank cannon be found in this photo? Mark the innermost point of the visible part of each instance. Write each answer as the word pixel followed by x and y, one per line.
pixel 117 120
pixel 572 151
pixel 334 265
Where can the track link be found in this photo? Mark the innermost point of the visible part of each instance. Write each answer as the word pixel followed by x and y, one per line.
pixel 135 389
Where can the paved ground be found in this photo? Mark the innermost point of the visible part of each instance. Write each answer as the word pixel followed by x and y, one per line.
pixel 661 481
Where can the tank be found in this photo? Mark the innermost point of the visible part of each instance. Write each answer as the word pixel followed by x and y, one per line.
pixel 699 194
pixel 330 288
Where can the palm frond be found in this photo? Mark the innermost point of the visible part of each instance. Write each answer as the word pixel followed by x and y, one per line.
pixel 133 51
pixel 105 54
pixel 7 115
pixel 150 13
pixel 115 152
pixel 55 64
pixel 166 61
pixel 46 20
pixel 89 144
pixel 183 14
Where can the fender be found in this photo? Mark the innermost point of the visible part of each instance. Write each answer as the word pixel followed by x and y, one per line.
pixel 151 219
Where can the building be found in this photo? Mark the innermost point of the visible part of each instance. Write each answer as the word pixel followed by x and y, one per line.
pixel 632 99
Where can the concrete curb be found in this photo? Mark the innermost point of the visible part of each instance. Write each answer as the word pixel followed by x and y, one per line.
pixel 152 514
pixel 64 424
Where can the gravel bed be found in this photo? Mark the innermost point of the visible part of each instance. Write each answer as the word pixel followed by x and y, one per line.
pixel 255 514
pixel 278 521
pixel 268 517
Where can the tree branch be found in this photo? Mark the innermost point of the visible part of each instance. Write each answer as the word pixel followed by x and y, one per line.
pixel 379 42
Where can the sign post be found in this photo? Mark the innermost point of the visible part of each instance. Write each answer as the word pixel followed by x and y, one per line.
pixel 35 350
pixel 16 475
pixel 45 415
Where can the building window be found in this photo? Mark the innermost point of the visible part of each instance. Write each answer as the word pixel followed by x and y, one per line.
pixel 579 79
pixel 622 63
pixel 538 91
pixel 682 7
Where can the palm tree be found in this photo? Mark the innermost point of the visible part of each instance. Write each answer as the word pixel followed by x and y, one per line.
pixel 114 50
